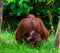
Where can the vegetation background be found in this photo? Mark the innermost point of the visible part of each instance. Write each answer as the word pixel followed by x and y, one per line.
pixel 15 10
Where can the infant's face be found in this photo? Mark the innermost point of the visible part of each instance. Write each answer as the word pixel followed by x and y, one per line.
pixel 34 40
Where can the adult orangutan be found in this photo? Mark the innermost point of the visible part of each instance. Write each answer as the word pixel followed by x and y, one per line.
pixel 31 30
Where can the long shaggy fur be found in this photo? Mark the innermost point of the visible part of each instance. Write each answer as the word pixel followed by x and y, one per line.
pixel 31 28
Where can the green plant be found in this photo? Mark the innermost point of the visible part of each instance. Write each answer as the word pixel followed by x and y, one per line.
pixel 9 44
pixel 18 7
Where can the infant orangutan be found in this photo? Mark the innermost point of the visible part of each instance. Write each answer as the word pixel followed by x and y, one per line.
pixel 34 39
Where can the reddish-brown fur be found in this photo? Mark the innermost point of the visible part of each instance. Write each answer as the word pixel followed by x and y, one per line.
pixel 29 24
pixel 34 39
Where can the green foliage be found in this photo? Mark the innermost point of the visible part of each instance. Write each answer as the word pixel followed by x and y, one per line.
pixel 50 1
pixel 18 7
pixel 21 8
pixel 9 44
pixel 9 1
pixel 38 7
pixel 59 11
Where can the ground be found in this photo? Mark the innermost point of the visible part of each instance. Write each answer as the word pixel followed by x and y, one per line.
pixel 8 44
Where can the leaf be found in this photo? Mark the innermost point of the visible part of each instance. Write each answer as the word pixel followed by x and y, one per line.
pixel 25 5
pixel 9 1
pixel 58 12
pixel 31 7
pixel 58 16
pixel 13 13
pixel 19 12
pixel 20 2
pixel 6 3
pixel 59 9
pixel 12 6
pixel 28 10
pixel 50 1
pixel 39 0
pixel 27 0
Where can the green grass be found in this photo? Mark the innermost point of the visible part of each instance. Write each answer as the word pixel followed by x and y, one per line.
pixel 8 44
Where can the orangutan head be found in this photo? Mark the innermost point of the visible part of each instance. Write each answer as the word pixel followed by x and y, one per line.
pixel 31 16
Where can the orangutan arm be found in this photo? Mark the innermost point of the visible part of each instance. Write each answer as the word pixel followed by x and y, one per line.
pixel 44 29
pixel 20 31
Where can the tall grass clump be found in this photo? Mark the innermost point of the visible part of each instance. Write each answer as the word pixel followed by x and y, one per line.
pixel 8 44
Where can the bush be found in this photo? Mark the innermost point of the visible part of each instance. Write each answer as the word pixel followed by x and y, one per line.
pixel 19 9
